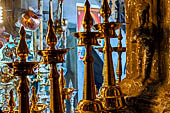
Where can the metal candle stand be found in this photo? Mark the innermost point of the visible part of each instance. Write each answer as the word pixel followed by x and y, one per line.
pixel 110 94
pixel 53 56
pixel 89 104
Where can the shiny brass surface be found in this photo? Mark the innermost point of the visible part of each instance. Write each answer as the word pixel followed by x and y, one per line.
pixel 66 92
pixel 53 56
pixel 34 101
pixel 11 103
pixel 89 104
pixel 22 68
pixel 109 94
pixel 62 83
pixel 36 108
pixel 22 48
pixel 119 49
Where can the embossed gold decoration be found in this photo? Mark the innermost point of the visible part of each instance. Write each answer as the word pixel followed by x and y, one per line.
pixel 109 94
pixel 22 68
pixel 53 56
pixel 89 104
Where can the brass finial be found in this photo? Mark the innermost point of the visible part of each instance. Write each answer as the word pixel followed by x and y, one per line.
pixel 105 10
pixel 34 100
pixel 87 19
pixel 11 102
pixel 61 79
pixel 51 38
pixel 22 49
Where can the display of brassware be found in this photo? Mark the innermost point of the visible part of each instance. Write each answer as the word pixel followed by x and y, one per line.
pixel 46 78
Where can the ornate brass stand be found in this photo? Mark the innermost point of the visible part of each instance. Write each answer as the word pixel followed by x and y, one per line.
pixel 109 93
pixel 22 68
pixel 53 56
pixel 89 104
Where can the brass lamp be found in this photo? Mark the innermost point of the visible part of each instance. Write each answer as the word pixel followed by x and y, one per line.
pixel 109 94
pixel 53 56
pixel 89 104
pixel 22 68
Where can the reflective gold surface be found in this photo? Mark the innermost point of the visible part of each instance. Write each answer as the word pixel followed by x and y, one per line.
pixel 119 49
pixel 89 104
pixel 34 101
pixel 22 68
pixel 109 94
pixel 36 107
pixel 53 56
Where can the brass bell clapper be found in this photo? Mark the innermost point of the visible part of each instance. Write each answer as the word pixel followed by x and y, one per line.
pixel 22 68
pixel 89 104
pixel 53 56
pixel 110 93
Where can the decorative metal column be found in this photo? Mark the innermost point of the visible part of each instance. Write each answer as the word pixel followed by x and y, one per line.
pixel 89 104
pixel 119 49
pixel 109 93
pixel 22 68
pixel 53 56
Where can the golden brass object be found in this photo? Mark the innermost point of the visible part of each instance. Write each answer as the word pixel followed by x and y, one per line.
pixel 109 94
pixel 36 108
pixel 11 102
pixel 53 56
pixel 89 104
pixel 119 49
pixel 22 68
pixel 62 83
pixel 34 100
pixel 66 92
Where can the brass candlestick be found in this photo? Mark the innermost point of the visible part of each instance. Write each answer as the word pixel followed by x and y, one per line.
pixel 109 92
pixel 119 49
pixel 53 56
pixel 22 68
pixel 89 104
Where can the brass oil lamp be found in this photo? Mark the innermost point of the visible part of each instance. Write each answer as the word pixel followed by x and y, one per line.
pixel 89 104
pixel 53 56
pixel 109 94
pixel 22 68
